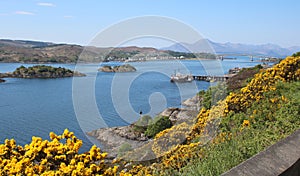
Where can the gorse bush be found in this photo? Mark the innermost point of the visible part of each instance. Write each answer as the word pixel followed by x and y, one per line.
pixel 296 54
pixel 287 70
pixel 54 157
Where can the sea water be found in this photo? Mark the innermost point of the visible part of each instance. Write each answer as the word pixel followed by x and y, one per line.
pixel 35 107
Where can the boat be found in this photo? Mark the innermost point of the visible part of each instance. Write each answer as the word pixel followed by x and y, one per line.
pixel 178 77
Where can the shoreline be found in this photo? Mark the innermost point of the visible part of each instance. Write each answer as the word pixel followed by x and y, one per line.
pixel 111 138
pixel 103 61
pixel 81 62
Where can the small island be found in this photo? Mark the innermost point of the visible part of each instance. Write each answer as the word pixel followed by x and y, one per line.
pixel 2 80
pixel 120 68
pixel 41 71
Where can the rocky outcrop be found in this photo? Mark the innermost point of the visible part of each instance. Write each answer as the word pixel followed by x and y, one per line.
pixel 41 71
pixel 121 68
pixel 2 80
pixel 113 138
pixel 193 103
pixel 177 115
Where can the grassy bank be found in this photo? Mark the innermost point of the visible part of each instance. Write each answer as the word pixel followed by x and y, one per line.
pixel 262 125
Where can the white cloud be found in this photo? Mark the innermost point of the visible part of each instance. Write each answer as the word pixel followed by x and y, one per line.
pixel 24 13
pixel 47 4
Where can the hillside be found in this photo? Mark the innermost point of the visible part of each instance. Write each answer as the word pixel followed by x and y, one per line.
pixel 24 43
pixel 222 135
pixel 45 52
pixel 34 52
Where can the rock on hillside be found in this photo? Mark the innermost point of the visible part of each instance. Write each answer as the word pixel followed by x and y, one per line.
pixel 177 115
pixel 112 138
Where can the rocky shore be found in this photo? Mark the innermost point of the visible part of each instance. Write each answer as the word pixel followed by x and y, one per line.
pixel 121 68
pixel 2 80
pixel 112 138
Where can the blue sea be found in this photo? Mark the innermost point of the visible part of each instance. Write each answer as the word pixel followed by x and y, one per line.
pixel 35 107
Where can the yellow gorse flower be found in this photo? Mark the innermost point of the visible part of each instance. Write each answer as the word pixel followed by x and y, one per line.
pixel 54 157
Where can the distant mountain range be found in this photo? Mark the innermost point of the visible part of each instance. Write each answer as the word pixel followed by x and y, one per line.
pixel 234 48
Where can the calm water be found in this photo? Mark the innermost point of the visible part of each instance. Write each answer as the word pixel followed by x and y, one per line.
pixel 34 107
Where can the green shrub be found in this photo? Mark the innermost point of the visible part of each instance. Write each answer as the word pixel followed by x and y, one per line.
pixel 159 123
pixel 212 95
pixel 296 54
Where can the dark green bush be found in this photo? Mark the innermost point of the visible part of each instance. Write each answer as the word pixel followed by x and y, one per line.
pixel 296 54
pixel 159 124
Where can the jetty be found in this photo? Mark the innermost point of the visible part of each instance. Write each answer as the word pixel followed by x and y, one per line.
pixel 211 78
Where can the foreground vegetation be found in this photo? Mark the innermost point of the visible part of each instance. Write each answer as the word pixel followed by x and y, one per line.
pixel 244 134
pixel 225 133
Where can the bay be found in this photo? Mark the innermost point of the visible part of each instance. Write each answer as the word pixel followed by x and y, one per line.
pixel 34 107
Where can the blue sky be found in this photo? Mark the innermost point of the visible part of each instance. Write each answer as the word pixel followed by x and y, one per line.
pixel 67 21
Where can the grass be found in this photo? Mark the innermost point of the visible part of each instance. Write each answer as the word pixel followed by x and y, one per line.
pixel 269 122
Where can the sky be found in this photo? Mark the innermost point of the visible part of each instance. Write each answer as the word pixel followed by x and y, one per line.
pixel 78 22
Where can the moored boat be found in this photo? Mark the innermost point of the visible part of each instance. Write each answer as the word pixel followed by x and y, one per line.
pixel 178 77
